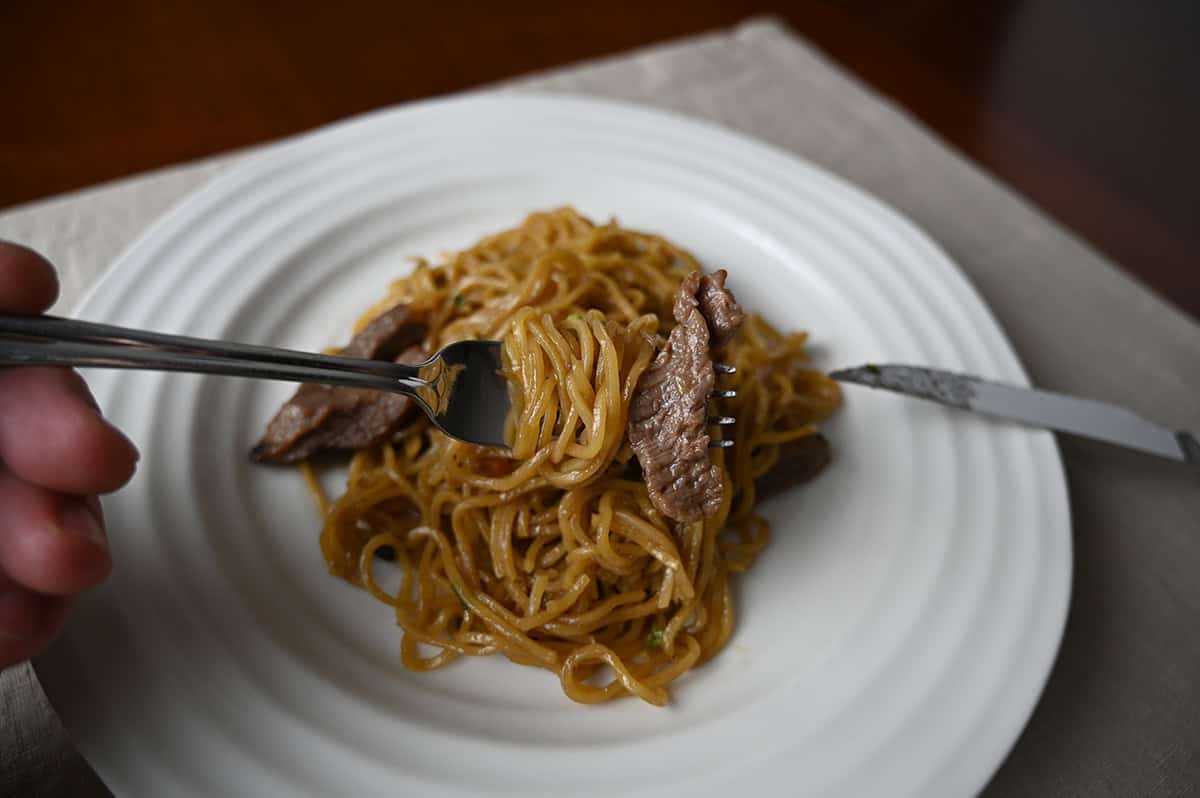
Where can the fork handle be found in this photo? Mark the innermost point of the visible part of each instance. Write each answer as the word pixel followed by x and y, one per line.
pixel 47 340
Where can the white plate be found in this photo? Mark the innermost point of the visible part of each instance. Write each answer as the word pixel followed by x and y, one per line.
pixel 892 641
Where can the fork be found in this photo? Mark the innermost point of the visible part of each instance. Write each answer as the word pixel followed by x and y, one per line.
pixel 461 388
pixel 722 421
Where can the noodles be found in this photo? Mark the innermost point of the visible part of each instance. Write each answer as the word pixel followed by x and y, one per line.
pixel 552 553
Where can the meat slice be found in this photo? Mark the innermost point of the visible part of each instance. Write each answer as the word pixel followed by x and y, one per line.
pixel 722 312
pixel 324 417
pixel 667 417
pixel 799 461
pixel 387 335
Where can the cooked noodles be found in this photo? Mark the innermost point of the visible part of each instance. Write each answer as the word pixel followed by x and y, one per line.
pixel 551 553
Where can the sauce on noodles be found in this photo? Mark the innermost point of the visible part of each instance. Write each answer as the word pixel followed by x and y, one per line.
pixel 552 553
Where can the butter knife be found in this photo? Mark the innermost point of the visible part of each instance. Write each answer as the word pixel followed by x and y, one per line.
pixel 1084 417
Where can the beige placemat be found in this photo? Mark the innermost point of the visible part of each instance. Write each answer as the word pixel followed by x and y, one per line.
pixel 1121 715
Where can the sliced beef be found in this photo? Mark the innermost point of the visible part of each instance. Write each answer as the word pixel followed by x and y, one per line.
pixel 324 417
pixel 667 417
pixel 722 312
pixel 799 461
pixel 387 335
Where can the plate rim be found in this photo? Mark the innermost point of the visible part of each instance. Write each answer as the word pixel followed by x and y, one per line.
pixel 256 164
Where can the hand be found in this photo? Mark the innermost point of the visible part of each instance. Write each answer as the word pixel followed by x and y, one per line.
pixel 56 455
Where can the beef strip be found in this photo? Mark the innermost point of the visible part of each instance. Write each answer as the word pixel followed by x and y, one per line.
pixel 720 309
pixel 667 417
pixel 387 335
pixel 799 461
pixel 324 417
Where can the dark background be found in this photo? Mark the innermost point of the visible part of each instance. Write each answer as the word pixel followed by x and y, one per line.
pixel 1088 107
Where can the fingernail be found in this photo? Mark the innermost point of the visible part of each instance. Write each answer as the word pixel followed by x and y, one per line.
pixel 19 614
pixel 77 519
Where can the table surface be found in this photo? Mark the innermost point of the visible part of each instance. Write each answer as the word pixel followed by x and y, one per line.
pixel 1086 108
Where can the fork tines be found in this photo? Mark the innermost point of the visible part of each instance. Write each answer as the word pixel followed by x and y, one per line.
pixel 722 421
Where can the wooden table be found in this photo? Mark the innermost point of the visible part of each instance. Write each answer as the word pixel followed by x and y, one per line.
pixel 1089 109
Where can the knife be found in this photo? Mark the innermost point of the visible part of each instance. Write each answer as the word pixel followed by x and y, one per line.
pixel 1085 417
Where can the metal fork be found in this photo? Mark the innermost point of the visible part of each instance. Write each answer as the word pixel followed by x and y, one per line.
pixel 722 421
pixel 460 388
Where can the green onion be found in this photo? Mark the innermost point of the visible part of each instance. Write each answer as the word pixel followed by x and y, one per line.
pixel 654 639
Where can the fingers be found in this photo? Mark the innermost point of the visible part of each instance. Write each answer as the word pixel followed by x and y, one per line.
pixel 50 432
pixel 52 435
pixel 28 621
pixel 27 281
pixel 50 543
pixel 53 442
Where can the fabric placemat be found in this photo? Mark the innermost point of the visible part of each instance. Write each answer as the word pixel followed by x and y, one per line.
pixel 1121 713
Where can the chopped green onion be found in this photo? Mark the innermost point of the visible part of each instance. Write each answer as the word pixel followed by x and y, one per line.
pixel 654 639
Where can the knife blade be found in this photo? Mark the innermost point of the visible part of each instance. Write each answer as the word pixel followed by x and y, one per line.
pixel 1087 418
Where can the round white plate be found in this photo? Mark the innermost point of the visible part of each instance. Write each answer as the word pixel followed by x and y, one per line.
pixel 892 641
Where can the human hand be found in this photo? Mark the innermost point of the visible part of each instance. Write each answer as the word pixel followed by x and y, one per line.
pixel 56 455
